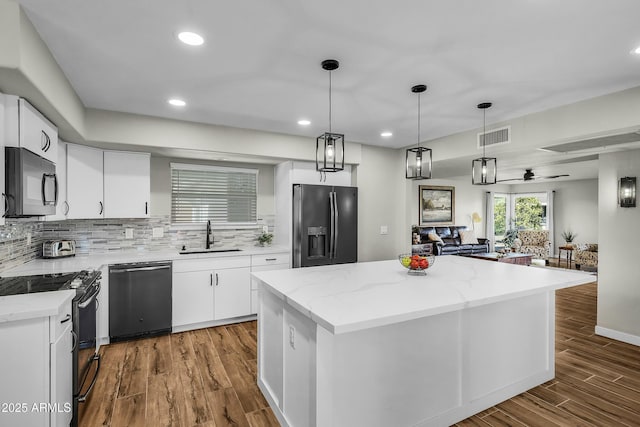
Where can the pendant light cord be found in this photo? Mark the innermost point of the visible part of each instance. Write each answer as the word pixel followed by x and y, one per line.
pixel 418 120
pixel 484 132
pixel 329 101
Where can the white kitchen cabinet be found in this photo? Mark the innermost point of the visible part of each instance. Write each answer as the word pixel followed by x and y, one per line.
pixel 232 293
pixel 207 291
pixel 127 184
pixel 3 200
pixel 36 370
pixel 266 262
pixel 61 175
pixel 84 182
pixel 192 297
pixel 62 378
pixel 26 127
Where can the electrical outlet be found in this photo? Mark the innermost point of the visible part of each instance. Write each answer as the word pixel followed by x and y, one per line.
pixel 384 229
pixel 128 233
pixel 292 336
pixel 158 232
pixel 265 228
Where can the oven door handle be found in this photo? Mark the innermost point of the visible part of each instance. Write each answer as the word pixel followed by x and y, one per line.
pixel 83 397
pixel 85 302
pixel 74 336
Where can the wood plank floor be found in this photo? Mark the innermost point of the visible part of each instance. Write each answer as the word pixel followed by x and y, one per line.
pixel 205 377
pixel 208 378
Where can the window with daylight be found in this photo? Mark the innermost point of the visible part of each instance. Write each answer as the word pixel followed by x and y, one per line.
pixel 223 195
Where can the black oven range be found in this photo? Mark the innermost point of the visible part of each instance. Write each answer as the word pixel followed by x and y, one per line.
pixel 86 283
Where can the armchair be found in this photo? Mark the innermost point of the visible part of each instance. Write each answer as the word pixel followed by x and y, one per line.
pixel 586 255
pixel 535 242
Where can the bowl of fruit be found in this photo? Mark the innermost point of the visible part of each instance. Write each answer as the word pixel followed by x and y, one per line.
pixel 416 264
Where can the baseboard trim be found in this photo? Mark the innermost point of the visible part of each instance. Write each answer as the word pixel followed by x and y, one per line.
pixel 617 335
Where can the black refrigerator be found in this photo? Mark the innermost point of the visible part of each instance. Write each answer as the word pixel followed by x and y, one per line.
pixel 325 225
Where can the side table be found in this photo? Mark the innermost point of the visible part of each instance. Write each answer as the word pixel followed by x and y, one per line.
pixel 569 250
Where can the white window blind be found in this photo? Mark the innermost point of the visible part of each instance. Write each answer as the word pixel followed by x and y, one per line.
pixel 220 194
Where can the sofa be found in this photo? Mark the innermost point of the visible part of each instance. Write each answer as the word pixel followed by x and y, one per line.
pixel 586 255
pixel 451 240
pixel 534 242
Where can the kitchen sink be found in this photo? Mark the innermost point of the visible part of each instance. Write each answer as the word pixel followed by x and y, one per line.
pixel 207 251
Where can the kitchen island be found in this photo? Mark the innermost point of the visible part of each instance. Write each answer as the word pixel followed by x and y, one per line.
pixel 369 344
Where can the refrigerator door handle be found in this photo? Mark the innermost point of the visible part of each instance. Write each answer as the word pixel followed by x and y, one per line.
pixel 333 225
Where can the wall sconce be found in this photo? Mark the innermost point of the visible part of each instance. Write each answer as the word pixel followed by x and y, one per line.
pixel 627 192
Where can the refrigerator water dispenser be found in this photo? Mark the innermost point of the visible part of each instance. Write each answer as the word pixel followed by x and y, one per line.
pixel 316 237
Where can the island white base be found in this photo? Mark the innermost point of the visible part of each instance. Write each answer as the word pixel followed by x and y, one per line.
pixel 431 371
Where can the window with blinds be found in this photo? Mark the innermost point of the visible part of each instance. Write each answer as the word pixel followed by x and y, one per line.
pixel 220 194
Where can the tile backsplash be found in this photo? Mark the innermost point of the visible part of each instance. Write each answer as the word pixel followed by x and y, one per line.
pixel 109 235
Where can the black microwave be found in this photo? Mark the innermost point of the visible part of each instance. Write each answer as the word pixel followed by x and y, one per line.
pixel 31 184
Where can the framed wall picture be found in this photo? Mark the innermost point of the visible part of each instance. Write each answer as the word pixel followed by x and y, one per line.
pixel 437 205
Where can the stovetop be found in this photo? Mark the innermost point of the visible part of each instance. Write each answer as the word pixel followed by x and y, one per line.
pixel 45 282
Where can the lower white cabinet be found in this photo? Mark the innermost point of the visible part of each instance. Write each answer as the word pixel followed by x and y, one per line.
pixel 209 290
pixel 62 378
pixel 36 370
pixel 192 297
pixel 266 262
pixel 232 293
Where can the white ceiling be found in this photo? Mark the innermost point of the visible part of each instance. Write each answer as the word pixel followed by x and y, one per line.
pixel 260 65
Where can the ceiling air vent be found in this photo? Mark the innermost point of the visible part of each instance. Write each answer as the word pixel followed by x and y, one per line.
pixel 494 137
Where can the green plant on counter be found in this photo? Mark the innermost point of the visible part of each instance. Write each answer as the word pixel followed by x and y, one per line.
pixel 265 239
pixel 568 236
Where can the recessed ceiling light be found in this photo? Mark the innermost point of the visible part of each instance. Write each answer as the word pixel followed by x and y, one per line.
pixel 386 134
pixel 636 51
pixel 304 122
pixel 192 39
pixel 177 102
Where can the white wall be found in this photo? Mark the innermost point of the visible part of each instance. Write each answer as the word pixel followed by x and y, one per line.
pixel 618 237
pixel 575 208
pixel 380 178
pixel 469 199
pixel 161 184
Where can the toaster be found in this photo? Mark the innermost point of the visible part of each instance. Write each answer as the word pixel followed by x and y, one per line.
pixel 58 248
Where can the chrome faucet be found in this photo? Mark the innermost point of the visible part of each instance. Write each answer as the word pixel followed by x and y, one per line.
pixel 210 239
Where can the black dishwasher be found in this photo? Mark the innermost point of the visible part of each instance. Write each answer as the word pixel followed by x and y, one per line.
pixel 139 300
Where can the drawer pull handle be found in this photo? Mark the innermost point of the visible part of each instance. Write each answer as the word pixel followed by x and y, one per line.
pixel 66 319
pixel 270 259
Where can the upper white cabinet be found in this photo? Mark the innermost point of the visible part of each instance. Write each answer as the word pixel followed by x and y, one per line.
pixel 26 127
pixel 105 184
pixel 3 200
pixel 84 182
pixel 62 207
pixel 127 184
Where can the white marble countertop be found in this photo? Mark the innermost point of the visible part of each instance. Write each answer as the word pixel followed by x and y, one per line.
pixel 350 297
pixel 96 261
pixel 31 306
pixel 26 306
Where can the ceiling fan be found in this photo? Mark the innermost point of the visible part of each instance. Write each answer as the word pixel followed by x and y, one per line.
pixel 530 176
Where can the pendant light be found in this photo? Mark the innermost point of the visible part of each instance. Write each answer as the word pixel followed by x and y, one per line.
pixel 329 145
pixel 418 158
pixel 485 169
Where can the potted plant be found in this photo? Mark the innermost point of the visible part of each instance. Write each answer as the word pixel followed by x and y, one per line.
pixel 265 239
pixel 568 236
pixel 509 237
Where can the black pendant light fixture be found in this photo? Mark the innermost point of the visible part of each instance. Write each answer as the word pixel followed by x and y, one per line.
pixel 329 145
pixel 485 169
pixel 418 158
